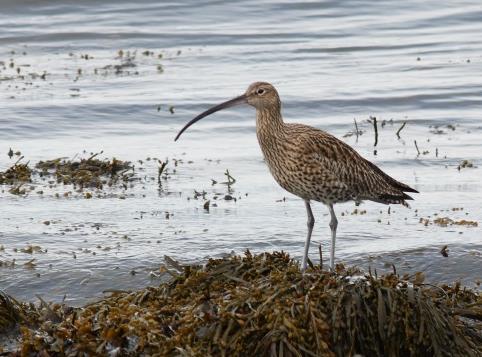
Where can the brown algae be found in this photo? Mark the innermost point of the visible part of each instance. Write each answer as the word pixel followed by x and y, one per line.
pixel 263 305
pixel 16 174
pixel 446 221
pixel 90 172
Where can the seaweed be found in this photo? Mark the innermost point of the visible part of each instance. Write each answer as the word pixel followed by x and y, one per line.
pixel 17 174
pixel 263 305
pixel 400 129
pixel 446 221
pixel 13 313
pixel 464 164
pixel 89 172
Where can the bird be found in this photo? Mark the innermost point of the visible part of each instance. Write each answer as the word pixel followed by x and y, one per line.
pixel 311 163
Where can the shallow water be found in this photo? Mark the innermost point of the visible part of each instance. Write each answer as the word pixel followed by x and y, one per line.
pixel 331 62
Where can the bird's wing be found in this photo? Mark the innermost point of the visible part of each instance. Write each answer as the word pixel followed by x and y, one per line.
pixel 328 156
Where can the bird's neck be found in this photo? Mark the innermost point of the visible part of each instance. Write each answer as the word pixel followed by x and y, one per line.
pixel 269 122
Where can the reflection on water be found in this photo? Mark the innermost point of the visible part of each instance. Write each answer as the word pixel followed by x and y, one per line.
pixel 77 76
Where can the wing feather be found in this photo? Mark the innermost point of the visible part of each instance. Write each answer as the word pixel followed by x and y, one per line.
pixel 330 157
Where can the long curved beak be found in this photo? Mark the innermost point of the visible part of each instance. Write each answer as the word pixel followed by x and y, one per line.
pixel 230 103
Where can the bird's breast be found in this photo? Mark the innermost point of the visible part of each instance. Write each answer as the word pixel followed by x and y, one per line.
pixel 298 172
pixel 283 163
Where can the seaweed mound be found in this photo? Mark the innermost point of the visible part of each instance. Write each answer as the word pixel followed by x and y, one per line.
pixel 262 305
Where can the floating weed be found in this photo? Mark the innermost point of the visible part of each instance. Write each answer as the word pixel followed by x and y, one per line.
pixel 101 176
pixel 357 211
pixel 17 190
pixel 446 221
pixel 206 205
pixel 445 251
pixel 465 164
pixel 90 172
pixel 160 170
pixel 30 249
pixel 16 174
pixel 30 264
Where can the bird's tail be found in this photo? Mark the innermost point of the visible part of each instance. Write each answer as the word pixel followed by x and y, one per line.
pixel 392 195
pixel 390 190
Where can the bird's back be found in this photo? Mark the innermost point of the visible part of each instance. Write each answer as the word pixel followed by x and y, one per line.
pixel 315 165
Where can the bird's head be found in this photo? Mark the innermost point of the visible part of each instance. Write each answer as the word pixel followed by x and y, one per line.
pixel 260 95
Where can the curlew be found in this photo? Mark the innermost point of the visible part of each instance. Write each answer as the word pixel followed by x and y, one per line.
pixel 312 164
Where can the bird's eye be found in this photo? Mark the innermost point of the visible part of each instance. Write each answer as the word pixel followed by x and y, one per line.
pixel 260 91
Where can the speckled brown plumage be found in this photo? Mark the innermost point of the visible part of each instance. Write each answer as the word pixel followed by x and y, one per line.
pixel 315 165
pixel 311 163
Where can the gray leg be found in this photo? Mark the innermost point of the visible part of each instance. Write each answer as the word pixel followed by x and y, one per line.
pixel 311 223
pixel 333 225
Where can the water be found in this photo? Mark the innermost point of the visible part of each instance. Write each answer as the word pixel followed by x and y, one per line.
pixel 332 62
